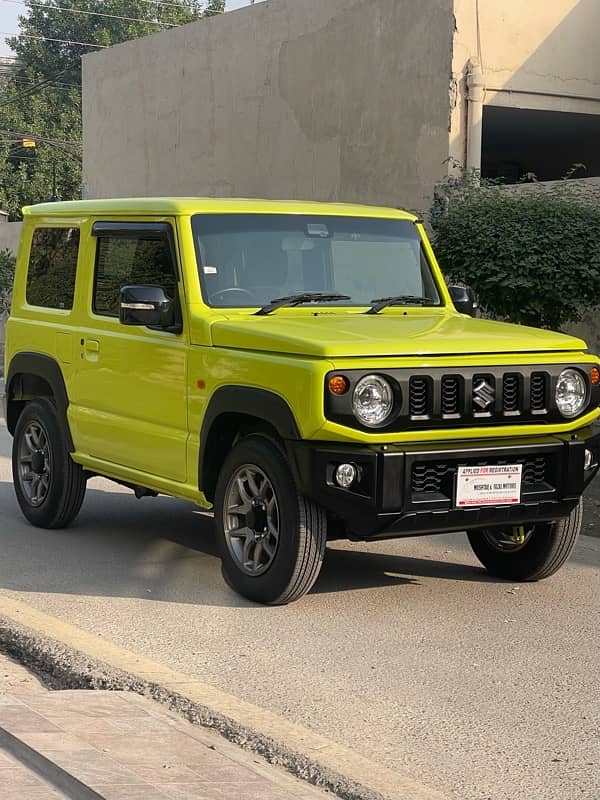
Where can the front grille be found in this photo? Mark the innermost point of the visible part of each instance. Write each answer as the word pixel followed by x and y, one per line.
pixel 437 477
pixel 479 398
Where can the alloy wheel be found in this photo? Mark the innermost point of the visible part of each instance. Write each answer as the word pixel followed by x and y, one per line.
pixel 251 520
pixel 35 463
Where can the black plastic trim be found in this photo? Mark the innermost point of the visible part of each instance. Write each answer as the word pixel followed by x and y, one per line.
pixel 44 367
pixel 245 401
pixel 128 229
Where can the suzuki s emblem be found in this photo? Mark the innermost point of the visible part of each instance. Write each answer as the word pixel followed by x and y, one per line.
pixel 484 395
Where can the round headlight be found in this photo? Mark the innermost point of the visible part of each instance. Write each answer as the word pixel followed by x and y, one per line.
pixel 373 400
pixel 571 392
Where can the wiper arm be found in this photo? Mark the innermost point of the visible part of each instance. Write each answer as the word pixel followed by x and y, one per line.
pixel 397 300
pixel 298 300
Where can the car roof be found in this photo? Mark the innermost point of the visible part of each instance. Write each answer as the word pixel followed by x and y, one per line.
pixel 208 205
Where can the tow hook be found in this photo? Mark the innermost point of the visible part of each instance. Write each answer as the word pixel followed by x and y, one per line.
pixel 518 534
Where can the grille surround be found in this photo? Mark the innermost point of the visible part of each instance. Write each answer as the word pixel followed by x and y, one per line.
pixel 442 398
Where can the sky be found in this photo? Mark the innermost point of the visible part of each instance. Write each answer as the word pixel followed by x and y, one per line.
pixel 9 12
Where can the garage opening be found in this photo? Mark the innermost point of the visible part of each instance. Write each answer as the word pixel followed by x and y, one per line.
pixel 521 142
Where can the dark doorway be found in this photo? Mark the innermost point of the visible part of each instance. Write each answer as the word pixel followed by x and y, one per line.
pixel 547 144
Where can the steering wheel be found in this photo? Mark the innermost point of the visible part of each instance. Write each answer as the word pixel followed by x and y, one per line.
pixel 234 289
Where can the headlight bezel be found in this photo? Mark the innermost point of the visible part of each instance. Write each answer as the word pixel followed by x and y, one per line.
pixel 387 387
pixel 580 377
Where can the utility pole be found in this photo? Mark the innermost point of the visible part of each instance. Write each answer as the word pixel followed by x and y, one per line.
pixel 55 197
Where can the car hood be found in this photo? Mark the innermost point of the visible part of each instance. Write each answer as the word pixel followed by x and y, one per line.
pixel 330 335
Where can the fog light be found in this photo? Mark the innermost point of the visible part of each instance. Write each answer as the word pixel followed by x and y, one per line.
pixel 588 460
pixel 345 475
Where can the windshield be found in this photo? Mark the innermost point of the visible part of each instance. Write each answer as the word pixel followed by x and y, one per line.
pixel 248 260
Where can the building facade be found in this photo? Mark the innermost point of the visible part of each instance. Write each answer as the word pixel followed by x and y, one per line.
pixel 351 100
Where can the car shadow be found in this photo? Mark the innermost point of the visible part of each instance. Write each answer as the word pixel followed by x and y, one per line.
pixel 344 570
pixel 165 550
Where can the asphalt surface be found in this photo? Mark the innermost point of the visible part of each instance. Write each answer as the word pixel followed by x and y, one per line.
pixel 404 651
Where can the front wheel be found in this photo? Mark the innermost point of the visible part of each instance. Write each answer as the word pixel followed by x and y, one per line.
pixel 272 539
pixel 529 552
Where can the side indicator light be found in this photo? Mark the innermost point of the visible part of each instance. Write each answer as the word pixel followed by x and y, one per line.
pixel 595 376
pixel 201 384
pixel 338 384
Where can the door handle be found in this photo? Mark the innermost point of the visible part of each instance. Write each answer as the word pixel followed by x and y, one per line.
pixel 91 349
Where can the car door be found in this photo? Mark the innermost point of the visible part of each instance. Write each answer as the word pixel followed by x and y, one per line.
pixel 129 403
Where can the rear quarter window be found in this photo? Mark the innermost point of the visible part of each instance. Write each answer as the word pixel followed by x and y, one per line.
pixel 52 267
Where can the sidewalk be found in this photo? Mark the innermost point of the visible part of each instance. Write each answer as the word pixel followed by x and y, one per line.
pixel 84 745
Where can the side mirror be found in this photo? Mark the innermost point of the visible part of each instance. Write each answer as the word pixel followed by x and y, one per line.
pixel 146 305
pixel 464 300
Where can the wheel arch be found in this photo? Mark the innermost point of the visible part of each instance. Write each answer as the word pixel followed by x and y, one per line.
pixel 234 411
pixel 35 375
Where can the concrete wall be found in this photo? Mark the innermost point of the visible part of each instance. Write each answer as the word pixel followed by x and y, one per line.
pixel 10 235
pixel 338 100
pixel 537 54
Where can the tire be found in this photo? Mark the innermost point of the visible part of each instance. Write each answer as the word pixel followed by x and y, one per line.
pixel 546 547
pixel 256 563
pixel 52 496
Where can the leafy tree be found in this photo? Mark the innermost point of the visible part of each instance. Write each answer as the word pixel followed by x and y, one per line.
pixel 91 22
pixel 41 99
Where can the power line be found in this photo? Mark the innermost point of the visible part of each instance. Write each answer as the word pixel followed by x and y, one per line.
pixel 31 81
pixel 91 13
pixel 32 89
pixel 49 39
pixel 30 135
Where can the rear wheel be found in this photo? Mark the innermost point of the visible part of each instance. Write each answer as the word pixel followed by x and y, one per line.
pixel 272 539
pixel 49 486
pixel 529 552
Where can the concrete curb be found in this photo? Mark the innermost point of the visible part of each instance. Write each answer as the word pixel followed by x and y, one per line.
pixel 76 659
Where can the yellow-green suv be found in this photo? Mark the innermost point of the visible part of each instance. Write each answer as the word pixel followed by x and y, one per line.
pixel 299 367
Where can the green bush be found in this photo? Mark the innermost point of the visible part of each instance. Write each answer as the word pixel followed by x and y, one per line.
pixel 533 257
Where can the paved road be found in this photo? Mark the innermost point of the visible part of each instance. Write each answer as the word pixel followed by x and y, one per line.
pixel 404 651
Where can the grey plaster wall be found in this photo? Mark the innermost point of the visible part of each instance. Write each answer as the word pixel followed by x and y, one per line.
pixel 10 235
pixel 319 99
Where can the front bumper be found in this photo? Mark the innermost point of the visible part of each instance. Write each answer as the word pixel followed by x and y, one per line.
pixel 409 490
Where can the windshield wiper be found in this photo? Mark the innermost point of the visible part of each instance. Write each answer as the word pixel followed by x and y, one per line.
pixel 299 299
pixel 398 300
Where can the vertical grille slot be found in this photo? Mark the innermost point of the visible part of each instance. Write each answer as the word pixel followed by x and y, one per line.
pixel 419 397
pixel 511 394
pixel 538 392
pixel 450 395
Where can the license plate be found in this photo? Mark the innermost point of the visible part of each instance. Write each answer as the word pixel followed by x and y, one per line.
pixel 488 486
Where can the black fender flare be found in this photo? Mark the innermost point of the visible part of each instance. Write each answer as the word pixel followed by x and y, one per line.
pixel 245 401
pixel 45 367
